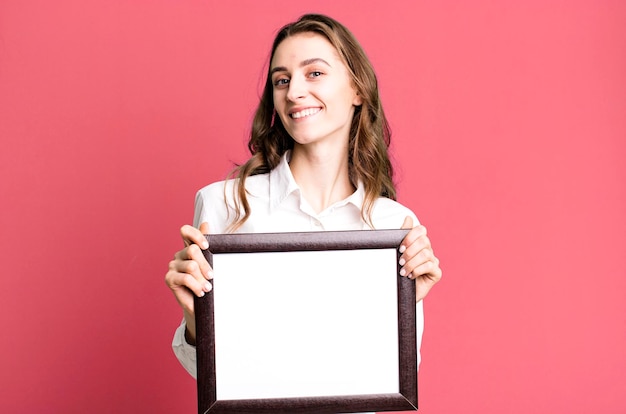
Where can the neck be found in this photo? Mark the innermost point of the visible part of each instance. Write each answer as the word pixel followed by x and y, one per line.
pixel 323 177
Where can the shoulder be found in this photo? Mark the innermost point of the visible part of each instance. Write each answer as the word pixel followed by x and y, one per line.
pixel 224 190
pixel 215 203
pixel 390 214
pixel 214 190
pixel 211 206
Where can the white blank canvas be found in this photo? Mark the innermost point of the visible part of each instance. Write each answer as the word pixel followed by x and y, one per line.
pixel 306 323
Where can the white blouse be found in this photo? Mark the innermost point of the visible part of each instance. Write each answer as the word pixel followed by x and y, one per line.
pixel 277 205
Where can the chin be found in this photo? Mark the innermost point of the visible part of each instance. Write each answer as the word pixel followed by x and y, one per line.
pixel 303 139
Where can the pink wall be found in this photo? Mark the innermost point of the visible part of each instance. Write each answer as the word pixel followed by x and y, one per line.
pixel 510 136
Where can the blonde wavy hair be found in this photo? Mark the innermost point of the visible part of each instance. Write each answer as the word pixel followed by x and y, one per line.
pixel 370 135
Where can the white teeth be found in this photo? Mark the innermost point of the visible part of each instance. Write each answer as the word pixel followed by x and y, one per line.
pixel 305 112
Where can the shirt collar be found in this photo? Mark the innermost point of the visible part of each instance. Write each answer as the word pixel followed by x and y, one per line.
pixel 282 184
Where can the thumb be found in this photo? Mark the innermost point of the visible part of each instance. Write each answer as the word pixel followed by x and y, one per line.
pixel 408 223
pixel 204 228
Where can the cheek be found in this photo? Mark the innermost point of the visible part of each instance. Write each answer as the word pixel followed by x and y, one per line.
pixel 276 100
pixel 353 96
pixel 279 112
pixel 343 95
pixel 283 119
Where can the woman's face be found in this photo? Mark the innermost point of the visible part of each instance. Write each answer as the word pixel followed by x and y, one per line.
pixel 313 92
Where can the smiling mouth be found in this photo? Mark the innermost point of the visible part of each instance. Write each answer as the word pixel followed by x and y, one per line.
pixel 305 112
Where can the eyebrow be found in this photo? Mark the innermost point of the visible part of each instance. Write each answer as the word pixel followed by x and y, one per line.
pixel 305 62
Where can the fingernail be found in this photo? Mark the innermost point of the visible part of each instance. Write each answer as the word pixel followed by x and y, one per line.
pixel 402 248
pixel 205 245
pixel 207 286
pixel 402 262
pixel 209 275
pixel 402 272
pixel 201 294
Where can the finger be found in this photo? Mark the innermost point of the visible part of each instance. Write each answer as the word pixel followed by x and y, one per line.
pixel 425 282
pixel 192 235
pixel 412 235
pixel 199 256
pixel 414 260
pixel 188 273
pixel 184 287
pixel 204 228
pixel 186 282
pixel 191 260
pixel 428 269
pixel 195 254
pixel 408 223
pixel 414 242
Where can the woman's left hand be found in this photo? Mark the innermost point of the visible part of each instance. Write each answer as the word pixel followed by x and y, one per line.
pixel 418 260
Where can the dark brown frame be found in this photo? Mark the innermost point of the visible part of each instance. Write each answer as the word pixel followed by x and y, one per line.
pixel 404 399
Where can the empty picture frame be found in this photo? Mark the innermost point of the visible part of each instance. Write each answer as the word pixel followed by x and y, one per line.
pixel 315 322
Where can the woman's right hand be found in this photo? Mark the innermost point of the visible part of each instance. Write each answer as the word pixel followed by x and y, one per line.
pixel 189 274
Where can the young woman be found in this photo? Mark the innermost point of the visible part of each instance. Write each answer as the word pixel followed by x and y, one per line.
pixel 319 162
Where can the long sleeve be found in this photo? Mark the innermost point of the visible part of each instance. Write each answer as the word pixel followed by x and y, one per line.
pixel 185 353
pixel 277 206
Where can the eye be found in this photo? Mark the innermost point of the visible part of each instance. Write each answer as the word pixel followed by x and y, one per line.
pixel 281 82
pixel 315 74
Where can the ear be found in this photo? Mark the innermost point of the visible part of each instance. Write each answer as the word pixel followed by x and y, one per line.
pixel 357 101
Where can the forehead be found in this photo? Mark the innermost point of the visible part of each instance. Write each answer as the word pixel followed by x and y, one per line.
pixel 302 46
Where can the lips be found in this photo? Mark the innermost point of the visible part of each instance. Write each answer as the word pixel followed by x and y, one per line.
pixel 304 113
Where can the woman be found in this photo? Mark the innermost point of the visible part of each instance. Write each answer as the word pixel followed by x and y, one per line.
pixel 319 162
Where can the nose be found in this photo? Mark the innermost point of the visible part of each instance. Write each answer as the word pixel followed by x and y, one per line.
pixel 297 89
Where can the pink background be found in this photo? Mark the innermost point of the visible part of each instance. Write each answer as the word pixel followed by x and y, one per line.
pixel 509 123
